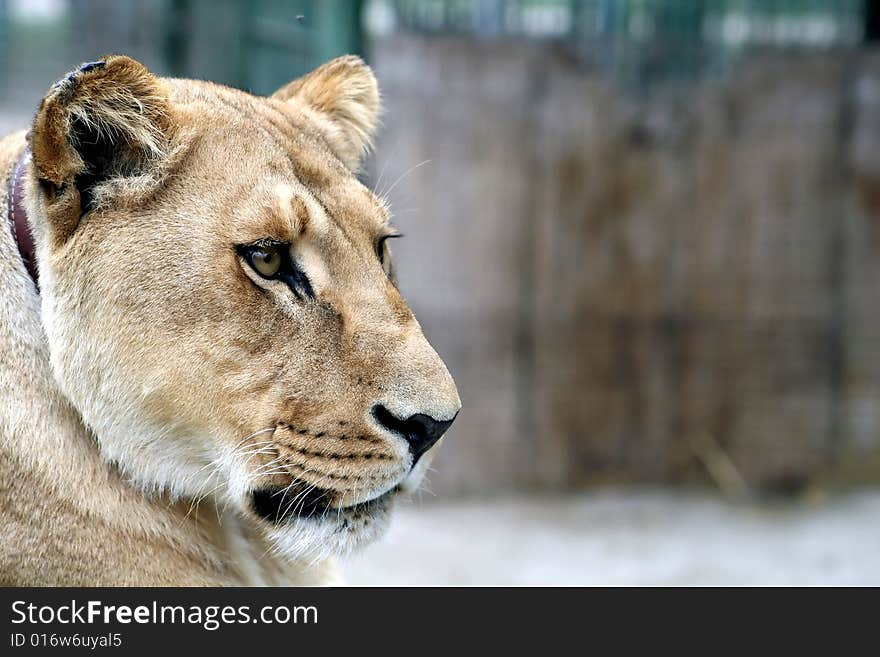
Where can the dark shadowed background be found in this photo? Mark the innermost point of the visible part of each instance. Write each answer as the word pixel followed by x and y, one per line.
pixel 644 236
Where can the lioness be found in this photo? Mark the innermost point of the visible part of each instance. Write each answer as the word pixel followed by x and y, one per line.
pixel 207 373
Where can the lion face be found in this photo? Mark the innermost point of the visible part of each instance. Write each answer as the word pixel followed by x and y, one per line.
pixel 219 299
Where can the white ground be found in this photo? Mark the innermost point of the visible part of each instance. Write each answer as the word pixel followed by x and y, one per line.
pixel 627 538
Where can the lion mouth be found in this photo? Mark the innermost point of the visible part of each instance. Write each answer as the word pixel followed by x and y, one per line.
pixel 302 500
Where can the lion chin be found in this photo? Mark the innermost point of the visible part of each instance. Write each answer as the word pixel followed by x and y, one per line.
pixel 331 532
pixel 215 379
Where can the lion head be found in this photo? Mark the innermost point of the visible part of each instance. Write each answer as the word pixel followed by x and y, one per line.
pixel 219 301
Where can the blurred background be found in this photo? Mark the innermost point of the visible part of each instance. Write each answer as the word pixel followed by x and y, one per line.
pixel 643 234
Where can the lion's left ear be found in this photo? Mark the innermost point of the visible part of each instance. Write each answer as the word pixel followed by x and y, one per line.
pixel 344 94
pixel 99 134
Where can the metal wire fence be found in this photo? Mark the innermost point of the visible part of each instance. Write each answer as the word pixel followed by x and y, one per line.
pixel 639 42
pixel 260 44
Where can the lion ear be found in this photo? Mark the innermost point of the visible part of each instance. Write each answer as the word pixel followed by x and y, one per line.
pixel 344 94
pixel 105 123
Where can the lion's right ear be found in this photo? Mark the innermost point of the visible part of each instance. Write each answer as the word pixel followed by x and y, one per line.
pixel 345 98
pixel 104 124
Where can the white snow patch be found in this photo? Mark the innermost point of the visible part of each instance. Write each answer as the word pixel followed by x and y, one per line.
pixel 625 537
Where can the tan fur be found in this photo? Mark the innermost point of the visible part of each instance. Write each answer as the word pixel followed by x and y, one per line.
pixel 156 381
pixel 342 98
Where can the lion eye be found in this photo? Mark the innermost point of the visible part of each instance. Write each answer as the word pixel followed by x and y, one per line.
pixel 265 261
pixel 380 246
pixel 380 251
pixel 272 261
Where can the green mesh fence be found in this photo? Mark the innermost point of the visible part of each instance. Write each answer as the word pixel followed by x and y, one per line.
pixel 639 41
pixel 256 45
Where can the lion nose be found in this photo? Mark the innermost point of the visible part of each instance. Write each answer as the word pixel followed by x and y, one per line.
pixel 421 431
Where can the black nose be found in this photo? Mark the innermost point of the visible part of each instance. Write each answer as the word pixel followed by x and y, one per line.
pixel 420 430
